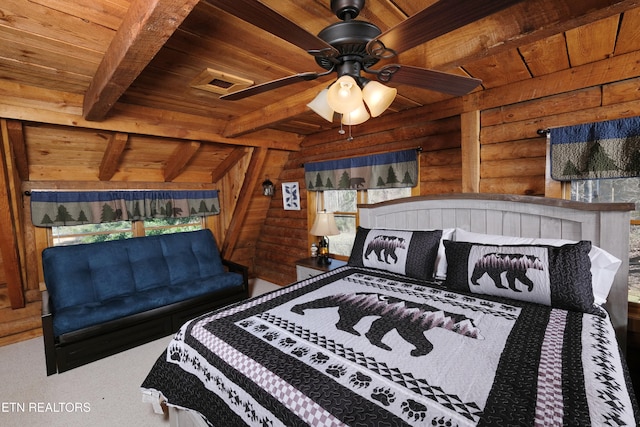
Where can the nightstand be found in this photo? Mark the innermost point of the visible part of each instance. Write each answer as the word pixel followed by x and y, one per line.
pixel 309 267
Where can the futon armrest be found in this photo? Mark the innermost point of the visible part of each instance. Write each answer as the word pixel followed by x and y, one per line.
pixel 47 335
pixel 237 268
pixel 46 304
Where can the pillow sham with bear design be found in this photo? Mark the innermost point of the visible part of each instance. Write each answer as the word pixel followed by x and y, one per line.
pixel 603 265
pixel 410 253
pixel 556 276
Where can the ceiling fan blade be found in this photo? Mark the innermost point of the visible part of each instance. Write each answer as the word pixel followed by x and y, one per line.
pixel 261 16
pixel 274 84
pixel 452 84
pixel 434 21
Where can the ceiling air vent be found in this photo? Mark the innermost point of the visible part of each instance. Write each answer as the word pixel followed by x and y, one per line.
pixel 219 82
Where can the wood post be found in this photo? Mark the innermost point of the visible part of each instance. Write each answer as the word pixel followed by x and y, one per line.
pixel 10 225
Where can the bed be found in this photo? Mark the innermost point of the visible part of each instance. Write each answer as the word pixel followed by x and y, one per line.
pixel 453 310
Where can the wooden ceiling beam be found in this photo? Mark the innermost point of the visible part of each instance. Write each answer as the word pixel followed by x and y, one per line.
pixel 284 109
pixel 251 180
pixel 146 27
pixel 10 223
pixel 181 156
pixel 15 134
pixel 21 102
pixel 228 163
pixel 611 70
pixel 112 154
pixel 524 23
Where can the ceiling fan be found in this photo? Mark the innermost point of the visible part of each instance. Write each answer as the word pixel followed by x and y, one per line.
pixel 350 47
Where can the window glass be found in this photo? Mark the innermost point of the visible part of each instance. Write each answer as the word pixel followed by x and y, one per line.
pixel 344 205
pixel 383 194
pixel 607 191
pixel 343 242
pixel 90 233
pixel 153 227
pixel 617 190
pixel 340 201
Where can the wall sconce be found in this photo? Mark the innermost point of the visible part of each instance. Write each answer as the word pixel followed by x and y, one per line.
pixel 323 226
pixel 267 188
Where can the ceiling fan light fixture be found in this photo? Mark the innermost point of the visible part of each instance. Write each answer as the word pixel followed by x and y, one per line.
pixel 344 95
pixel 356 117
pixel 320 105
pixel 378 97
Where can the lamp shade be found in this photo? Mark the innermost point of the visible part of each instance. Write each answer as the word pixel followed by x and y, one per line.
pixel 378 97
pixel 344 95
pixel 357 116
pixel 320 105
pixel 324 225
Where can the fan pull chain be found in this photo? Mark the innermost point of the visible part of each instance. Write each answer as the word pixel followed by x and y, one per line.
pixel 342 131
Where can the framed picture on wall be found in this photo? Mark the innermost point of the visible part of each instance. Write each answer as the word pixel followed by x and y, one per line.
pixel 291 196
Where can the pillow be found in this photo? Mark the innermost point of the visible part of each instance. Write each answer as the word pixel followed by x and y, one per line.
pixel 441 259
pixel 556 276
pixel 603 265
pixel 411 253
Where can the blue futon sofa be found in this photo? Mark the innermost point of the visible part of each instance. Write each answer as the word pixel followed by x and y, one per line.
pixel 103 298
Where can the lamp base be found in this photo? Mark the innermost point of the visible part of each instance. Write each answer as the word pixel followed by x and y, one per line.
pixel 323 260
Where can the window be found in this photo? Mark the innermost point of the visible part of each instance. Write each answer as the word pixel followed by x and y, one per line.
pixel 344 205
pixel 617 190
pixel 91 233
pixel 154 227
pixel 384 194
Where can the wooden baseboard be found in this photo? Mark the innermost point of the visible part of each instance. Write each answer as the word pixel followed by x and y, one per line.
pixel 22 336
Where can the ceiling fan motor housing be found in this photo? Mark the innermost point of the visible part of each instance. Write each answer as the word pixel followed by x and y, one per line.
pixel 347 9
pixel 350 38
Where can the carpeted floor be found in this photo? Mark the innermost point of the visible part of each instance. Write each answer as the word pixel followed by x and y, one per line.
pixel 102 393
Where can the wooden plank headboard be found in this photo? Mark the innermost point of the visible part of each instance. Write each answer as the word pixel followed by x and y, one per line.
pixel 605 224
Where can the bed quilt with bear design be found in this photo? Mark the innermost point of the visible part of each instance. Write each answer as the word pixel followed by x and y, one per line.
pixel 359 346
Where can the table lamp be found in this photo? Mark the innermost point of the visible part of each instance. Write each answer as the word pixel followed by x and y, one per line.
pixel 323 226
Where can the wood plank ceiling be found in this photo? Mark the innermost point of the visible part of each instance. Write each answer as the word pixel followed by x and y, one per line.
pixel 97 60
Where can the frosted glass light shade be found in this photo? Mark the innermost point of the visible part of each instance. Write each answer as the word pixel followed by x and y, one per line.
pixel 378 97
pixel 357 116
pixel 344 95
pixel 320 105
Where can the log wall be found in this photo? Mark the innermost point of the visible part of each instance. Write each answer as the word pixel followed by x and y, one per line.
pixel 512 159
